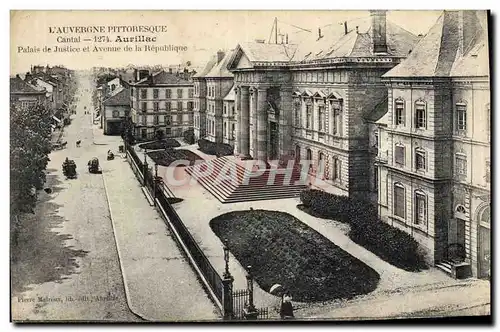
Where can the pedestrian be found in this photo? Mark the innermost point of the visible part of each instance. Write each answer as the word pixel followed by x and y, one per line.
pixel 286 310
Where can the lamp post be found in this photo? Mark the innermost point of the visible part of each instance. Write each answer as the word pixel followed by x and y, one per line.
pixel 155 183
pixel 250 311
pixel 227 274
pixel 145 165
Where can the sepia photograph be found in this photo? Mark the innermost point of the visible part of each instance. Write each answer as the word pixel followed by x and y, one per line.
pixel 250 166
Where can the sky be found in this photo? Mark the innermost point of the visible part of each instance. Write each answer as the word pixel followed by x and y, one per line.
pixel 202 32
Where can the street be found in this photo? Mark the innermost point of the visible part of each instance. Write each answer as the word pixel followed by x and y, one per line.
pixel 67 265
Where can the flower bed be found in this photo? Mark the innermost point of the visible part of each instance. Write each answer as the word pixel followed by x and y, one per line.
pixel 166 157
pixel 168 143
pixel 281 249
pixel 215 149
pixel 389 243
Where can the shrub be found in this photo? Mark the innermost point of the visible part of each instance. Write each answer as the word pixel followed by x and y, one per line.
pixel 216 149
pixel 188 136
pixel 389 243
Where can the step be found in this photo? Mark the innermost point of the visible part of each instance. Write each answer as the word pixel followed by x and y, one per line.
pixel 446 267
pixel 228 186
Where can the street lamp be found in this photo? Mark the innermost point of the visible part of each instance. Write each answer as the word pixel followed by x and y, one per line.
pixel 251 306
pixel 226 275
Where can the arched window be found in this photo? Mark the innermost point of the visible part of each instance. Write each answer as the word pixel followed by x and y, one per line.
pixel 337 169
pixel 461 209
pixel 297 152
pixel 399 200
pixel 420 208
pixel 309 154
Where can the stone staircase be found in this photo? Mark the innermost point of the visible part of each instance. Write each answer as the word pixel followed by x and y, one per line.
pixel 456 270
pixel 230 181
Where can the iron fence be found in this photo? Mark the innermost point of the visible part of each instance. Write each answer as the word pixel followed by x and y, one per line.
pixel 240 302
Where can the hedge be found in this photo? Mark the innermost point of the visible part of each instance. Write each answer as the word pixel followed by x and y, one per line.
pixel 389 243
pixel 216 149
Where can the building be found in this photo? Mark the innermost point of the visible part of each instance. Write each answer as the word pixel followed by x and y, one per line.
pixel 229 118
pixel 116 109
pixel 24 94
pixel 311 99
pixel 200 97
pixel 433 164
pixel 161 101
pixel 219 81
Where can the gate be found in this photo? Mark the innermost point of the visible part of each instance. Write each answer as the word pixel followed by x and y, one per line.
pixel 240 301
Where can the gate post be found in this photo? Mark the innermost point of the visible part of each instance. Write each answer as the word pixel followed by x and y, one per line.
pixel 250 312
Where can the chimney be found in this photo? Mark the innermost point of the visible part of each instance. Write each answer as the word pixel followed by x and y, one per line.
pixel 379 34
pixel 220 56
pixel 345 28
pixel 28 77
pixel 468 28
pixel 136 75
pixel 357 29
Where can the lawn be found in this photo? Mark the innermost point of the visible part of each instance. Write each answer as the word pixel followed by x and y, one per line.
pixel 166 157
pixel 281 249
pixel 162 144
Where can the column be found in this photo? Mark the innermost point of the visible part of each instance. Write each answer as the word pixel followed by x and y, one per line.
pixel 245 121
pixel 237 109
pixel 285 122
pixel 262 123
pixel 255 125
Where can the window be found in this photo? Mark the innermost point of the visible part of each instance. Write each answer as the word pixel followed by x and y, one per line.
pixel 461 116
pixel 297 112
pixel 144 106
pixel 168 120
pixel 420 209
pixel 399 112
pixel 309 116
pixel 144 120
pixel 155 120
pixel 337 120
pixel 375 179
pixel 321 114
pixel 225 129
pixel 179 93
pixel 487 171
pixel 144 93
pixel 337 169
pixel 420 159
pixel 399 155
pixel 233 129
pixel 156 106
pixel 190 105
pixel 232 110
pixel 116 114
pixel 168 93
pixel 461 164
pixel 167 106
pixel 399 201
pixel 420 115
pixel 179 106
pixel 168 131
pixel 225 109
pixel 155 93
pixel 375 139
pixel 191 93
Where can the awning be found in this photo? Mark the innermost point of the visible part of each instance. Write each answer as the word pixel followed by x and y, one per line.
pixel 55 118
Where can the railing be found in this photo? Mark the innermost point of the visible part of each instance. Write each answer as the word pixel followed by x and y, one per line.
pixel 240 302
pixel 186 241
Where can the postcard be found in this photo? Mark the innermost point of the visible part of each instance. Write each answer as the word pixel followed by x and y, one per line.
pixel 216 166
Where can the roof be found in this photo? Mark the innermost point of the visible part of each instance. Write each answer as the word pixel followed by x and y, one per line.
pixel 220 69
pixel 334 43
pixel 162 78
pixel 378 111
pixel 440 54
pixel 120 98
pixel 17 85
pixel 209 65
pixel 231 95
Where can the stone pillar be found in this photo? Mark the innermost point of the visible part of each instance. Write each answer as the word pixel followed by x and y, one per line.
pixel 237 109
pixel 245 122
pixel 262 123
pixel 255 125
pixel 227 297
pixel 285 121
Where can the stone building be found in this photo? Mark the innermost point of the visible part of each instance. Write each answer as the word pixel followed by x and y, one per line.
pixel 229 118
pixel 311 99
pixel 24 94
pixel 116 109
pixel 433 162
pixel 211 85
pixel 161 101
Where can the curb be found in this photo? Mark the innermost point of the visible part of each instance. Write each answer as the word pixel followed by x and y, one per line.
pixel 124 276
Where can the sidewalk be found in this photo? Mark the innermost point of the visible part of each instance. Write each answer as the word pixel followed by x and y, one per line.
pixel 160 284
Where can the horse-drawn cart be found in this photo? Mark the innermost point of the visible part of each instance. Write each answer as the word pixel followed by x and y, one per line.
pixel 69 169
pixel 94 166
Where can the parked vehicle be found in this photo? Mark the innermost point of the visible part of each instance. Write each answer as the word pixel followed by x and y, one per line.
pixel 69 168
pixel 93 165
